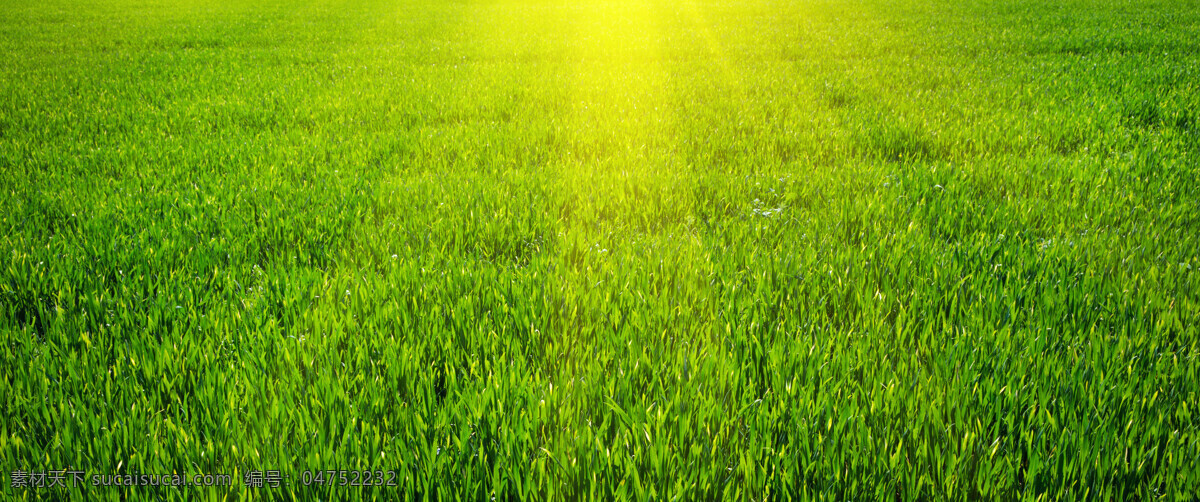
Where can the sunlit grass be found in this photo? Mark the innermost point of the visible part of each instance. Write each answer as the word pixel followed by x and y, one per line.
pixel 610 250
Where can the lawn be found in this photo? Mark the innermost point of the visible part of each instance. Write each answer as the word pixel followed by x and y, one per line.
pixel 609 250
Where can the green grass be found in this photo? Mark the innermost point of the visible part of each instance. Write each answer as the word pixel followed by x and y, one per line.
pixel 536 249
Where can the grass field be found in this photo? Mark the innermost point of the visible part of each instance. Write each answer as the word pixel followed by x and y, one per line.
pixel 543 249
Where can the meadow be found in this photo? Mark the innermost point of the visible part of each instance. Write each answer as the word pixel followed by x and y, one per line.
pixel 603 249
